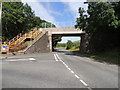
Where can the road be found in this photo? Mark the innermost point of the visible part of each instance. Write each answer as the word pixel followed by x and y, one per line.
pixel 61 69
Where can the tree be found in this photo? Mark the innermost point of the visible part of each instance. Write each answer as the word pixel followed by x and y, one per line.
pixel 69 44
pixel 55 40
pixel 19 18
pixel 82 20
pixel 29 17
pixel 102 23
pixel 16 18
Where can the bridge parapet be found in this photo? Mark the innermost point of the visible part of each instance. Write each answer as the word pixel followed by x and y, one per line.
pixel 61 29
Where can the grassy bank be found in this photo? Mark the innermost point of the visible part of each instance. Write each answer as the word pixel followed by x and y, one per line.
pixel 75 46
pixel 74 49
pixel 112 56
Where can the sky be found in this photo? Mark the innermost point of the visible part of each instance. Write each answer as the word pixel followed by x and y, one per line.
pixel 62 13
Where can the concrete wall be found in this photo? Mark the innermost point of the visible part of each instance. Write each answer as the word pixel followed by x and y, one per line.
pixel 84 43
pixel 40 46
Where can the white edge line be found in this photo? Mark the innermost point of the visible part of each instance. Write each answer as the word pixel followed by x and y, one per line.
pixel 83 82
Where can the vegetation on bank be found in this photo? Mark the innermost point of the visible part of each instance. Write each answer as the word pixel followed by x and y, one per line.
pixel 18 17
pixel 102 24
pixel 112 56
pixel 71 46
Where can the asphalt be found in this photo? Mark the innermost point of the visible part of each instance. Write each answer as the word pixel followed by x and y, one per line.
pixel 61 69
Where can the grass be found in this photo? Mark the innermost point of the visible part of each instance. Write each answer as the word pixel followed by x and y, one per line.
pixel 74 48
pixel 21 47
pixel 112 56
pixel 61 47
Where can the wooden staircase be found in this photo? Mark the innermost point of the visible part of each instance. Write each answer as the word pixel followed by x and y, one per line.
pixel 20 38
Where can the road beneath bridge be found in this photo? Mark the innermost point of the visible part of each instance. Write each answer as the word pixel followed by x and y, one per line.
pixel 60 69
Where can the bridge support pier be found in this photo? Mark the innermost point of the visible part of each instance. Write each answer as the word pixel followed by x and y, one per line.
pixel 84 43
pixel 50 42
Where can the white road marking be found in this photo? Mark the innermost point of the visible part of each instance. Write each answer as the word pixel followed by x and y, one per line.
pixel 18 60
pixel 73 73
pixel 69 69
pixel 27 59
pixel 63 63
pixel 66 66
pixel 55 57
pixel 58 57
pixel 60 60
pixel 77 76
pixel 83 82
pixel 31 59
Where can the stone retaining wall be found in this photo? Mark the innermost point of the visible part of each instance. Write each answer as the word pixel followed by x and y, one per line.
pixel 40 46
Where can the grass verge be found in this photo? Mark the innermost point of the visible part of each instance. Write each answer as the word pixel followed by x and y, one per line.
pixel 111 57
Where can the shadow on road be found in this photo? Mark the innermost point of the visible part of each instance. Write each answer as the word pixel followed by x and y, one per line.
pixel 66 52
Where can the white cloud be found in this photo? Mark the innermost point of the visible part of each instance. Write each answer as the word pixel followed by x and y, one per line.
pixel 73 6
pixel 65 39
pixel 47 13
pixel 51 10
pixel 40 10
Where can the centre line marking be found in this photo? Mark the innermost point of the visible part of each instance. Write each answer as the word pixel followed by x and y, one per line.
pixel 55 57
pixel 66 66
pixel 77 76
pixel 60 60
pixel 69 69
pixel 63 63
pixel 73 73
pixel 83 82
pixel 58 57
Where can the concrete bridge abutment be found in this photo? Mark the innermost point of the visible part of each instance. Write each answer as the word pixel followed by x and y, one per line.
pixel 84 43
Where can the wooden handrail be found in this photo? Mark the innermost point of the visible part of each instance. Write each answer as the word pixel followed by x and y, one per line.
pixel 16 41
